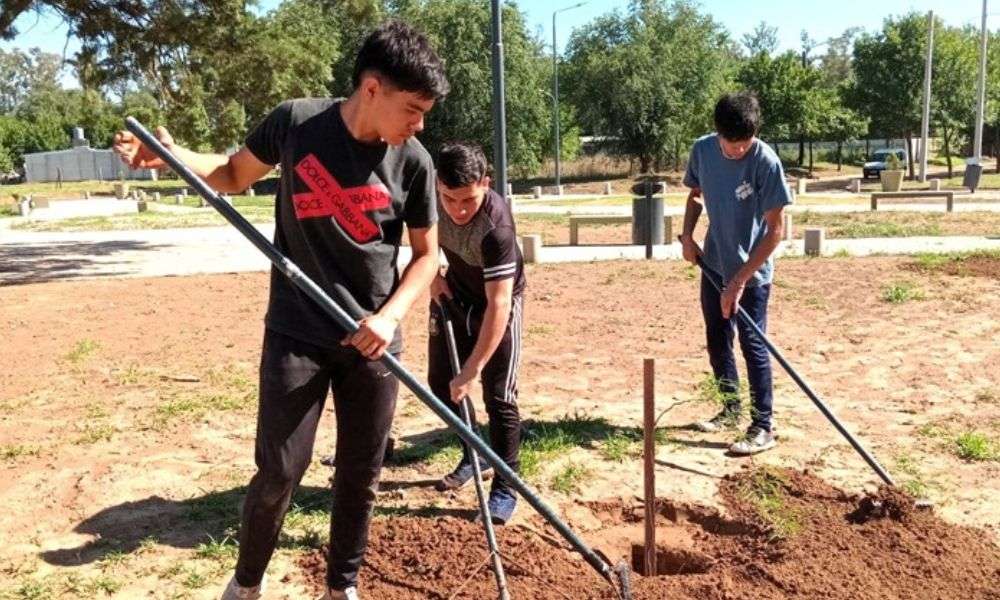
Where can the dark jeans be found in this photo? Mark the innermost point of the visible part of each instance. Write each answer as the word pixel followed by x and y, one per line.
pixel 719 335
pixel 295 378
pixel 499 378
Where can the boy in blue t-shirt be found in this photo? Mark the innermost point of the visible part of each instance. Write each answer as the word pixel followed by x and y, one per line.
pixel 742 185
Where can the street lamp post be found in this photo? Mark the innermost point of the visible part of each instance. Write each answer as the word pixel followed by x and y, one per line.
pixel 555 88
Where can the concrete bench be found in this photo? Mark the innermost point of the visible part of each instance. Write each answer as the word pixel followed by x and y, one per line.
pixel 949 197
pixel 576 221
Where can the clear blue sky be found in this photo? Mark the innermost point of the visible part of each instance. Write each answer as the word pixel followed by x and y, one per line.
pixel 821 19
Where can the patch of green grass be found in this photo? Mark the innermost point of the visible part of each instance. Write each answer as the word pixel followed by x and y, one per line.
pixel 569 479
pixel 540 329
pixel 620 447
pixel 82 351
pixel 104 584
pixel 914 482
pixel 764 489
pixel 12 452
pixel 192 407
pixel 842 253
pixel 901 292
pixel 952 261
pixel 442 450
pixel 888 230
pixel 223 551
pixel 32 589
pixel 932 430
pixel 94 433
pixel 194 579
pixel 710 392
pixel 975 446
pixel 215 507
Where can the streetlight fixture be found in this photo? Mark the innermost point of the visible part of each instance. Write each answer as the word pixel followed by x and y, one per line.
pixel 555 87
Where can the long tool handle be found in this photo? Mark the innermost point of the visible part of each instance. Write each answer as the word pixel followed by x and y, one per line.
pixel 309 287
pixel 477 474
pixel 716 280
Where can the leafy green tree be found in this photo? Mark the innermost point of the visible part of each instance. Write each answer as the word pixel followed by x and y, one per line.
pixel 23 73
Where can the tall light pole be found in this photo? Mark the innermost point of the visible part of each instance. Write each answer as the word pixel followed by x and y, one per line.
pixel 555 87
pixel 925 122
pixel 499 104
pixel 977 146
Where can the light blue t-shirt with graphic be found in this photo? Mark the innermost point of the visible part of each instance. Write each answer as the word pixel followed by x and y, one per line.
pixel 736 194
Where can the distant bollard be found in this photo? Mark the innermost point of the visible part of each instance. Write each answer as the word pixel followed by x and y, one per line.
pixel 531 248
pixel 178 198
pixel 156 196
pixel 789 232
pixel 607 188
pixel 855 186
pixel 814 241
pixel 536 191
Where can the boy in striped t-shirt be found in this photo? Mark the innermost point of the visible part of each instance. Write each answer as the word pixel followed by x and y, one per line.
pixel 483 285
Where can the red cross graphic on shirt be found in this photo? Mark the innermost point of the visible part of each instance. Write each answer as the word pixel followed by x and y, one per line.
pixel 346 206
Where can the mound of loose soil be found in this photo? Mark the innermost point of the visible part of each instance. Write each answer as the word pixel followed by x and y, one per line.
pixel 842 546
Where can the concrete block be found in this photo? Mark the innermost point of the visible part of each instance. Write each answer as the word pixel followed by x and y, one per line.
pixel 855 186
pixel 121 190
pixel 141 206
pixel 560 190
pixel 201 202
pixel 156 196
pixel 935 185
pixel 814 241
pixel 86 195
pixel 178 198
pixel 800 185
pixel 251 193
pixel 536 191
pixel 184 192
pixel 607 188
pixel 788 234
pixel 510 190
pixel 24 206
pixel 531 247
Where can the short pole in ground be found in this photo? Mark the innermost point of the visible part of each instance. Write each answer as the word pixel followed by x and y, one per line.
pixel 531 248
pixel 789 233
pixel 813 242
pixel 648 459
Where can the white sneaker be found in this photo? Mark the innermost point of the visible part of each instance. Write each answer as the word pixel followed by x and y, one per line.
pixel 235 591
pixel 350 593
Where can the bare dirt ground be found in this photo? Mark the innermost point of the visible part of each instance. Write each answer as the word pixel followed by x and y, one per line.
pixel 127 412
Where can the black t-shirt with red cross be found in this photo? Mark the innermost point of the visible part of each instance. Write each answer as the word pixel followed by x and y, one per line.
pixel 484 249
pixel 339 214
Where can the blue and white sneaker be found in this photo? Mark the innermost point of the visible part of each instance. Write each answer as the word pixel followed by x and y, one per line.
pixel 502 504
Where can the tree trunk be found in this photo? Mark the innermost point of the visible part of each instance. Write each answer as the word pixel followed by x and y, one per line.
pixel 644 161
pixel 810 159
pixel 677 155
pixel 909 152
pixel 947 149
pixel 996 137
pixel 868 148
pixel 840 148
pixel 802 149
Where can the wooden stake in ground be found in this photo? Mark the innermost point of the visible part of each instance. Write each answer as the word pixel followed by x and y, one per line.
pixel 648 456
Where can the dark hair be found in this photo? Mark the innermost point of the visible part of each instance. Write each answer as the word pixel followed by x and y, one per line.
pixel 460 164
pixel 737 116
pixel 402 55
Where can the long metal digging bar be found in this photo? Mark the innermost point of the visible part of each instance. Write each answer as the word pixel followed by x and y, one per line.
pixel 477 474
pixel 309 287
pixel 716 280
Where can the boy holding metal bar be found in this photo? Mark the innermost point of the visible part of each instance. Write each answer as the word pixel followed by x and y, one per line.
pixel 483 284
pixel 352 175
pixel 744 191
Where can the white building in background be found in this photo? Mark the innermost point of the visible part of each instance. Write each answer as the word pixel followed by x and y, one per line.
pixel 80 163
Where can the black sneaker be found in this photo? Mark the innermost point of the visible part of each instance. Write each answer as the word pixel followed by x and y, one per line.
pixel 726 419
pixel 756 440
pixel 461 476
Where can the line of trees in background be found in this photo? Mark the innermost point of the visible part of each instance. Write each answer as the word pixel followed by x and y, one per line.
pixel 641 80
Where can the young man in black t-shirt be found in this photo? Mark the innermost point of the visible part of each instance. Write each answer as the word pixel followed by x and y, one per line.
pixel 352 175
pixel 484 285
